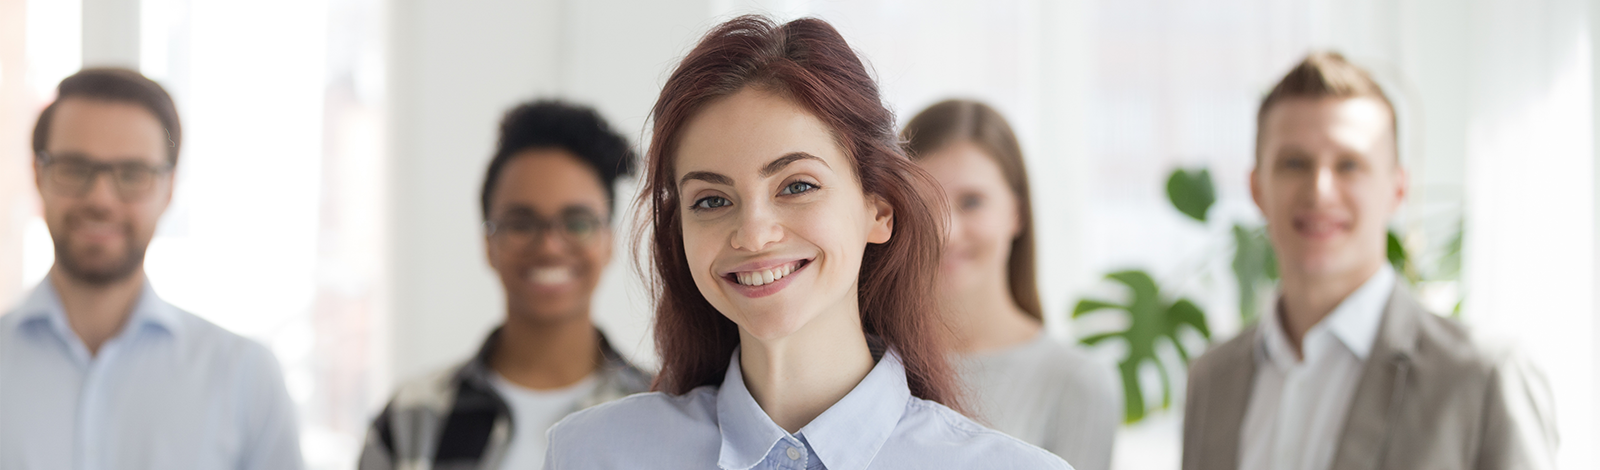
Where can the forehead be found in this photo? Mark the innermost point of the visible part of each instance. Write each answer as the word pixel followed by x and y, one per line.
pixel 962 164
pixel 548 180
pixel 1356 125
pixel 106 130
pixel 738 134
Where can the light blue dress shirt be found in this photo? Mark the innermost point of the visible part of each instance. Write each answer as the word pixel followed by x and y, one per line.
pixel 171 391
pixel 878 425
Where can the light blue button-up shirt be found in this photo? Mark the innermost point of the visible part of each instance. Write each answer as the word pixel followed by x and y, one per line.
pixel 878 425
pixel 170 391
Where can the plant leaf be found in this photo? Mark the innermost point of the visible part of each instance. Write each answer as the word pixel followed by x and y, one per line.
pixel 1151 319
pixel 1400 259
pixel 1191 192
pixel 1090 305
pixel 1092 340
pixel 1254 268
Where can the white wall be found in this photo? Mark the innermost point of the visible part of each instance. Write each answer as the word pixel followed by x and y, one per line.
pixel 456 67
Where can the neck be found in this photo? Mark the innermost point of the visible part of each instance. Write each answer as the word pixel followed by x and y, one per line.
pixel 97 312
pixel 986 318
pixel 1307 298
pixel 796 378
pixel 546 355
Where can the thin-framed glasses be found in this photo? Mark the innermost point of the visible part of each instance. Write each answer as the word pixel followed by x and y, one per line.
pixel 577 225
pixel 74 176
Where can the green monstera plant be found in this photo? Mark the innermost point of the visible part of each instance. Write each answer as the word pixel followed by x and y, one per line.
pixel 1154 319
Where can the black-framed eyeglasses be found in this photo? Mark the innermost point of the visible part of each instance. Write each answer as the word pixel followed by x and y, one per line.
pixel 71 176
pixel 576 225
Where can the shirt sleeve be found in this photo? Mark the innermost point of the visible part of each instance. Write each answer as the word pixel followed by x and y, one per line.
pixel 274 442
pixel 1519 430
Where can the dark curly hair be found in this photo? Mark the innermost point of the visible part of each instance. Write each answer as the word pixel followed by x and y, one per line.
pixel 546 124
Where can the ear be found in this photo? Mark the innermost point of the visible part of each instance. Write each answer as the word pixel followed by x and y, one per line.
pixel 1402 186
pixel 166 195
pixel 488 249
pixel 38 174
pixel 881 225
pixel 1255 188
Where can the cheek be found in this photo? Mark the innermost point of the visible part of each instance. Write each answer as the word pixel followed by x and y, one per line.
pixel 699 251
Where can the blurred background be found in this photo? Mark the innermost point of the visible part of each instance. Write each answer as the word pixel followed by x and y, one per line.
pixel 326 203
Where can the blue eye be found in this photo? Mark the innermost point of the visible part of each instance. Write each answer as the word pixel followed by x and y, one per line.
pixel 798 187
pixel 711 202
pixel 969 202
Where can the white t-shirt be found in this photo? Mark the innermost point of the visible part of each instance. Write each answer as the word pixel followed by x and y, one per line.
pixel 532 413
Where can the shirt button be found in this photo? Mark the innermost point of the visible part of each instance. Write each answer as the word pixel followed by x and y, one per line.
pixel 794 454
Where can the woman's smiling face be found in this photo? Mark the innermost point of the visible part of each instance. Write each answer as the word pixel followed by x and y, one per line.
pixel 775 221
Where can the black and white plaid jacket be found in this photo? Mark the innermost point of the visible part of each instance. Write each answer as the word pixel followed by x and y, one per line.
pixel 454 419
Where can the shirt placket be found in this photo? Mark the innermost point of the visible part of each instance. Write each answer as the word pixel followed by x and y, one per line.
pixel 93 417
pixel 1293 410
pixel 789 454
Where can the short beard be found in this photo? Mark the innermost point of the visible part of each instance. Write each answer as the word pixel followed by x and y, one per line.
pixel 74 268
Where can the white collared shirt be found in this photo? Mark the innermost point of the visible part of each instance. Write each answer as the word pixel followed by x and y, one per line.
pixel 1298 406
pixel 170 391
pixel 879 424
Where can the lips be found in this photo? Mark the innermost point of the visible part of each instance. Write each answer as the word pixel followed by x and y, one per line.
pixel 1320 227
pixel 550 276
pixel 763 277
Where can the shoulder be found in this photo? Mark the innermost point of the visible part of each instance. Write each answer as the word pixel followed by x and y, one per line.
pixel 1066 363
pixel 1456 350
pixel 638 426
pixel 433 392
pixel 219 350
pixel 936 433
pixel 1057 367
pixel 1221 356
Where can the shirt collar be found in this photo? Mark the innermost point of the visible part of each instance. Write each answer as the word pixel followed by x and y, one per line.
pixel 477 370
pixel 1355 321
pixel 845 437
pixel 44 305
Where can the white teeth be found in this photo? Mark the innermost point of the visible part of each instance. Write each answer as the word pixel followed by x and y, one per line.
pixel 764 277
pixel 550 276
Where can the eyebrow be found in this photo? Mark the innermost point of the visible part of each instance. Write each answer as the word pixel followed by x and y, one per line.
pixel 713 178
pixel 770 169
pixel 776 165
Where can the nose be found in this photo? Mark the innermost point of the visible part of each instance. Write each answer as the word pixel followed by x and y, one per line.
pixel 105 192
pixel 551 241
pixel 758 227
pixel 1323 187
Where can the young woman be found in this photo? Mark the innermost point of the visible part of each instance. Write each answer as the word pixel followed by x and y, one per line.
pixel 1023 382
pixel 794 252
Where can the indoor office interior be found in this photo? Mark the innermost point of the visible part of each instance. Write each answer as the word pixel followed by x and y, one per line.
pixel 327 204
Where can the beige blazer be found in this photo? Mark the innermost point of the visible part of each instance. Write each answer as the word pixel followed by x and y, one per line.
pixel 1431 396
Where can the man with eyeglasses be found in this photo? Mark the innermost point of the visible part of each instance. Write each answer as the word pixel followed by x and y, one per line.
pixel 547 206
pixel 96 371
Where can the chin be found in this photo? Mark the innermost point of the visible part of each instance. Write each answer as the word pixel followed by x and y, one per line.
pixel 772 324
pixel 550 312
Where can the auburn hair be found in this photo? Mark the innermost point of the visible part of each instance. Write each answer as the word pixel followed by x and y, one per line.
pixel 807 62
pixel 951 121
